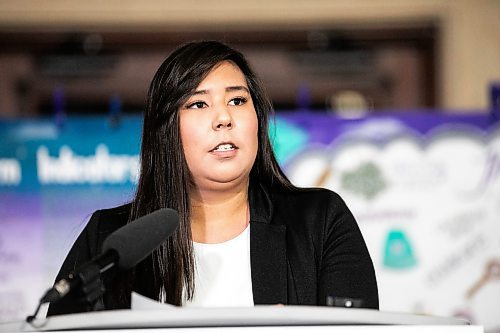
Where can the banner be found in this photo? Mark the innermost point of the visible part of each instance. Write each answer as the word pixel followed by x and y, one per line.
pixel 425 191
pixel 424 188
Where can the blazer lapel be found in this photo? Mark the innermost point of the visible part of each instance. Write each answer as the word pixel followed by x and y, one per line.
pixel 268 263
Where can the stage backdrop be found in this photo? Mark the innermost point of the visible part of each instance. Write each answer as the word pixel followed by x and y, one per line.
pixel 424 188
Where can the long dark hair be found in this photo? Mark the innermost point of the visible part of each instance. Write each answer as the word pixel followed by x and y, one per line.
pixel 164 177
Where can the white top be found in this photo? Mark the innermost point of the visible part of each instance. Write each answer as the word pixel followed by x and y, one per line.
pixel 222 273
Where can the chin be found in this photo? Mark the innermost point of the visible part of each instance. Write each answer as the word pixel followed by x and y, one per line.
pixel 228 180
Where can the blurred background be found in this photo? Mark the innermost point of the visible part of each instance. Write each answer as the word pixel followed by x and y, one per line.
pixel 399 54
pixel 392 103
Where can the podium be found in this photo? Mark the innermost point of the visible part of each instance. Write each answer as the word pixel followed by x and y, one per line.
pixel 258 318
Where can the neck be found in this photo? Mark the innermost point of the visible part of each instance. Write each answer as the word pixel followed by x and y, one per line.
pixel 218 216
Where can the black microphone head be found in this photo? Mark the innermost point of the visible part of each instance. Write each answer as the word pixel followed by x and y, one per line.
pixel 136 240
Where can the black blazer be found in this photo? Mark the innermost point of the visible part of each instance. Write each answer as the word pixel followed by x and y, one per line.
pixel 305 245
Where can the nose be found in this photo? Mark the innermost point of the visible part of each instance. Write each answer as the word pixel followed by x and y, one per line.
pixel 222 120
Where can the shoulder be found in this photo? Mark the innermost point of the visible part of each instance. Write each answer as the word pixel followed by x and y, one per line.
pixel 105 221
pixel 320 213
pixel 308 198
pixel 297 207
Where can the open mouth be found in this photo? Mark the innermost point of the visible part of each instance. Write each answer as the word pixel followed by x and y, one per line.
pixel 224 147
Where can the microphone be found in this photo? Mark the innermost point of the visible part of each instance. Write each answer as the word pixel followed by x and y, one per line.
pixel 124 248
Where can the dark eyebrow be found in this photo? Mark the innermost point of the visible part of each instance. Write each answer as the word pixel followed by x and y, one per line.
pixel 228 89
pixel 238 88
pixel 200 92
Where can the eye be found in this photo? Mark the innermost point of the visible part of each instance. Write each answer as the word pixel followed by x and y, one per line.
pixel 196 105
pixel 238 101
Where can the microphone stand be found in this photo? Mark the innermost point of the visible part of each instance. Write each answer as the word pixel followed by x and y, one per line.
pixel 89 289
pixel 92 287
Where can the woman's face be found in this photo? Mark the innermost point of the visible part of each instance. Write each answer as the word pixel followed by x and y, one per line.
pixel 219 127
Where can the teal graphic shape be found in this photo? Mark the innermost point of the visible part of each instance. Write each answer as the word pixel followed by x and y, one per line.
pixel 398 251
pixel 287 139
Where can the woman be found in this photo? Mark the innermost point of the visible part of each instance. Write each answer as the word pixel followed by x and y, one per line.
pixel 247 235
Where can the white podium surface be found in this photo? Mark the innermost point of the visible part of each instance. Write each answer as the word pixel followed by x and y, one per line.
pixel 261 318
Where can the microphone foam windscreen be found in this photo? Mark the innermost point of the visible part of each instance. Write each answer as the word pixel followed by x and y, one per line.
pixel 137 239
